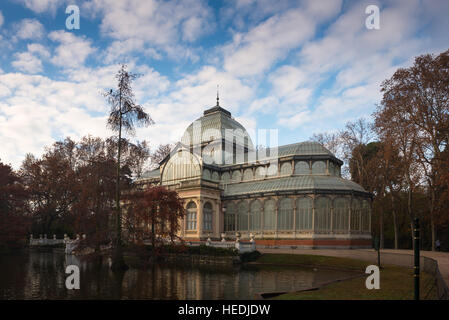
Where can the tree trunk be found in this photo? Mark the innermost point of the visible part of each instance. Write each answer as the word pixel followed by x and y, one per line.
pixel 118 262
pixel 381 227
pixel 432 222
pixel 153 236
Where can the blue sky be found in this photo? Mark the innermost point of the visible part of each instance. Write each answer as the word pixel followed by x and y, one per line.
pixel 301 67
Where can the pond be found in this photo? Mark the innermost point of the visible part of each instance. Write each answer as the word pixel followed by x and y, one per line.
pixel 33 274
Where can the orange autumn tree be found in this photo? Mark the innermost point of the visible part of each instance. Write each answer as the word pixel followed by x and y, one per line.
pixel 153 213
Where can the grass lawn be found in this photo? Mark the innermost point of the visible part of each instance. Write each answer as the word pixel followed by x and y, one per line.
pixel 396 283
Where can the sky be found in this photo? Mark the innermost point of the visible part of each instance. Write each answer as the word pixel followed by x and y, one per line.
pixel 301 67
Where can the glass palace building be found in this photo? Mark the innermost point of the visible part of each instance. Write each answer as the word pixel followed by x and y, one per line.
pixel 289 196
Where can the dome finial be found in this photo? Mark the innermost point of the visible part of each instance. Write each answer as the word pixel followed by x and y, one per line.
pixel 218 99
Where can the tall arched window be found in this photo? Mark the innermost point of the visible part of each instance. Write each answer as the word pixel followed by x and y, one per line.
pixel 269 215
pixel 304 214
pixel 286 169
pixel 341 214
pixel 318 167
pixel 191 216
pixel 207 216
pixel 322 214
pixel 302 167
pixel 366 212
pixel 285 214
pixel 355 215
pixel 255 215
pixel 229 217
pixel 215 176
pixel 243 216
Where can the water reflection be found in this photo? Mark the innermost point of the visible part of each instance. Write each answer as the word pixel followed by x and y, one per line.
pixel 41 275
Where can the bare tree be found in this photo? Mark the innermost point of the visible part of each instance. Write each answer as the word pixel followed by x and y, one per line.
pixel 125 114
pixel 159 154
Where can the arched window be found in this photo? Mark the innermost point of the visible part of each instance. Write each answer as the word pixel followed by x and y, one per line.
pixel 285 214
pixel 366 212
pixel 304 214
pixel 322 214
pixel 318 167
pixel 207 216
pixel 255 215
pixel 206 174
pixel 229 217
pixel 243 216
pixel 236 176
pixel 191 216
pixel 183 165
pixel 225 177
pixel 248 174
pixel 286 169
pixel 260 173
pixel 341 214
pixel 355 215
pixel 215 176
pixel 302 167
pixel 269 215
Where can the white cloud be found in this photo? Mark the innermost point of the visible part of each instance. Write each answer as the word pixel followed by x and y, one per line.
pixel 270 41
pixel 72 51
pixel 29 29
pixel 160 24
pixel 38 49
pixel 41 6
pixel 27 62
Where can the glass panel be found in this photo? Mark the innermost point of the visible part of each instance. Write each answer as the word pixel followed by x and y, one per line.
pixel 355 215
pixel 191 216
pixel 255 215
pixel 331 169
pixel 318 167
pixel 229 218
pixel 248 174
pixel 206 174
pixel 236 176
pixel 243 216
pixel 269 214
pixel 260 172
pixel 225 177
pixel 304 214
pixel 182 165
pixel 286 168
pixel 302 167
pixel 322 214
pixel 341 214
pixel 207 216
pixel 366 212
pixel 285 214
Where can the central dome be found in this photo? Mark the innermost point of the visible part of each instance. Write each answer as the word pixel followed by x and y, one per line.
pixel 216 124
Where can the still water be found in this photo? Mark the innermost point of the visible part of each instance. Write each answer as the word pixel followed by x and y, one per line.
pixel 41 275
